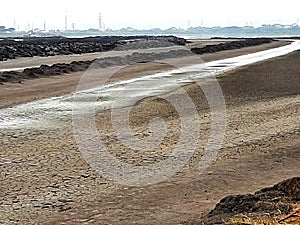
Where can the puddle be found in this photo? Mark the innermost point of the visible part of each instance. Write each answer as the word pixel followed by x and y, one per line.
pixel 17 69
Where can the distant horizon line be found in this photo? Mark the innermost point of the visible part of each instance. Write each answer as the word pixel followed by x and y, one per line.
pixel 155 28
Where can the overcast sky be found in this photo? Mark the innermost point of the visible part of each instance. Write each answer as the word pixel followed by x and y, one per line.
pixel 147 14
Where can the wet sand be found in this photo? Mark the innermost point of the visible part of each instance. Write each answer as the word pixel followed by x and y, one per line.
pixel 45 179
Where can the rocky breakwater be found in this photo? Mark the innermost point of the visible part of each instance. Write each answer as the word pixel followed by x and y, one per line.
pixel 11 48
pixel 232 45
pixel 76 66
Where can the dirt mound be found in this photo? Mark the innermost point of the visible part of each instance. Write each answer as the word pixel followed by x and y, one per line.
pixel 273 201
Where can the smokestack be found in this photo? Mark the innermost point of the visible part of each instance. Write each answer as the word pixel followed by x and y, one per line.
pixel 66 21
pixel 100 22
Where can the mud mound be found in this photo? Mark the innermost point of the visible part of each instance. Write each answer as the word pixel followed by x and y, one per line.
pixel 274 201
pixel 231 45
pixel 290 187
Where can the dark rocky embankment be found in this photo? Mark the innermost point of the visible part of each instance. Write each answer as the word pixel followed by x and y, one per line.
pixel 11 48
pixel 232 45
pixel 76 66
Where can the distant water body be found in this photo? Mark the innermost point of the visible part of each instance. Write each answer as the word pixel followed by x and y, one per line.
pixel 206 33
pixel 196 35
pixel 192 36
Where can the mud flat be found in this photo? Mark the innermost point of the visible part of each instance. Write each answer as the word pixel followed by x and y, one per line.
pixel 45 178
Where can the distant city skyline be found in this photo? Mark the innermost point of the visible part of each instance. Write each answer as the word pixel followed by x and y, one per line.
pixel 145 15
